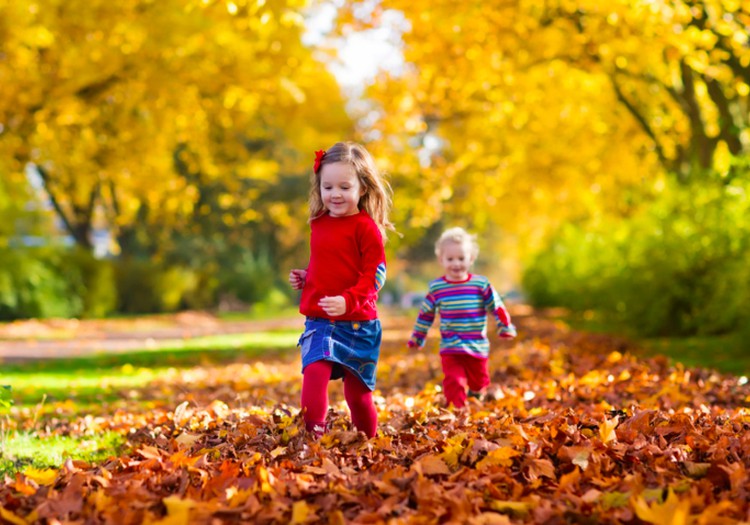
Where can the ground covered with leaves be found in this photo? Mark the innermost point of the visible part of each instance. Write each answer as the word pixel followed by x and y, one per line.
pixel 576 429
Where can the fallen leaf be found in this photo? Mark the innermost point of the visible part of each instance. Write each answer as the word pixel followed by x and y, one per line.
pixel 672 511
pixel 41 476
pixel 432 465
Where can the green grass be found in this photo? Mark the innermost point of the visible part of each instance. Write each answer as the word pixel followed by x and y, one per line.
pixel 728 353
pixel 74 387
pixel 101 376
pixel 22 450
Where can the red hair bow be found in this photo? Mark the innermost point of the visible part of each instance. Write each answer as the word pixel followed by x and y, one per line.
pixel 318 159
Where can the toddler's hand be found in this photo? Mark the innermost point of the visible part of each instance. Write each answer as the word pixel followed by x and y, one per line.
pixel 333 306
pixel 297 278
pixel 507 332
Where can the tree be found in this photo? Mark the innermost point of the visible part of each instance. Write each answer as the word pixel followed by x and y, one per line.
pixel 129 110
pixel 526 113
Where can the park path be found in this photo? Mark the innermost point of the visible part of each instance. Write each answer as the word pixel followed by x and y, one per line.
pixel 64 338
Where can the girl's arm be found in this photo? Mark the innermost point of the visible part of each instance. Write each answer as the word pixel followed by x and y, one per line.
pixel 494 304
pixel 425 319
pixel 372 274
pixel 297 278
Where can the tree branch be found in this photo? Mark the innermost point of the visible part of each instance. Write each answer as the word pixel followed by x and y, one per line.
pixel 642 122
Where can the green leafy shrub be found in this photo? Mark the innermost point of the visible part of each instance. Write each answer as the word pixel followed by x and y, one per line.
pixel 93 280
pixel 32 284
pixel 150 287
pixel 249 277
pixel 678 267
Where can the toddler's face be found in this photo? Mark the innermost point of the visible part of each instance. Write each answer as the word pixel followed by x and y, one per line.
pixel 456 259
pixel 340 189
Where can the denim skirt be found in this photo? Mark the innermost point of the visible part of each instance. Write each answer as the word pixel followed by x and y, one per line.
pixel 350 345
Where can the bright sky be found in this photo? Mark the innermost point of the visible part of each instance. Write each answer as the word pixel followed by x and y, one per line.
pixel 362 54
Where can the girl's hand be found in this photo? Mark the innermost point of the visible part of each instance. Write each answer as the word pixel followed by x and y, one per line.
pixel 333 306
pixel 297 278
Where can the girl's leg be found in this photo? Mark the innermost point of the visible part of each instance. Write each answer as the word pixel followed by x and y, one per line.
pixel 477 373
pixel 454 382
pixel 361 405
pixel 315 395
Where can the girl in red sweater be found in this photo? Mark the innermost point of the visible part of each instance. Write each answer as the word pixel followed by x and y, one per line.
pixel 349 206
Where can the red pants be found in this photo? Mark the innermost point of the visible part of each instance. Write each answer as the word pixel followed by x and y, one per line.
pixel 315 398
pixel 462 371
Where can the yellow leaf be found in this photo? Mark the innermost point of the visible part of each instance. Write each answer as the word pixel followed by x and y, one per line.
pixel 500 456
pixel 300 512
pixel 671 512
pixel 178 511
pixel 41 476
pixel 453 450
pixel 515 508
pixel 11 518
pixel 607 430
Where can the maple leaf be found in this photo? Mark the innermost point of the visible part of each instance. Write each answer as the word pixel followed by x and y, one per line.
pixel 672 511
pixel 501 456
pixel 41 476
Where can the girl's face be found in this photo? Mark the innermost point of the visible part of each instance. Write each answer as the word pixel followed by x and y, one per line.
pixel 340 189
pixel 456 259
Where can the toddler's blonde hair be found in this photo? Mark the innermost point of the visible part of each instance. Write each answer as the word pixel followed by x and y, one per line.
pixel 376 200
pixel 459 236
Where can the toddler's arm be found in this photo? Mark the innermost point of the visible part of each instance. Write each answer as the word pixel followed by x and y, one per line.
pixel 505 328
pixel 425 318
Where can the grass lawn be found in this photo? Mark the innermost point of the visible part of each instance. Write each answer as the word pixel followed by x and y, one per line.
pixel 67 389
pixel 728 353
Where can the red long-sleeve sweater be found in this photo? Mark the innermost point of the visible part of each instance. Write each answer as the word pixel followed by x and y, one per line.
pixel 347 258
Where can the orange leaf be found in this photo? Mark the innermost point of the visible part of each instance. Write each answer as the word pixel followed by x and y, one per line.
pixel 432 465
pixel 500 456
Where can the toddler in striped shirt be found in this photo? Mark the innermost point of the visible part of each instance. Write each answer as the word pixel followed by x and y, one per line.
pixel 463 300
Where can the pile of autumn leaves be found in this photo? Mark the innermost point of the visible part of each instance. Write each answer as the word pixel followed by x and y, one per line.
pixel 577 430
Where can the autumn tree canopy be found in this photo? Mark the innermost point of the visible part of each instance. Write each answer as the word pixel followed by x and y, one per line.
pixel 136 111
pixel 546 110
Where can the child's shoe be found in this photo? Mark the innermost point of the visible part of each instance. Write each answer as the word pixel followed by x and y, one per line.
pixel 475 398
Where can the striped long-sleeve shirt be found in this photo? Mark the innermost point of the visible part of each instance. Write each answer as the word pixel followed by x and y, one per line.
pixel 463 308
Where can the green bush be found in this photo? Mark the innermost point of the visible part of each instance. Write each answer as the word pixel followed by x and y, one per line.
pixel 32 285
pixel 250 277
pixel 145 286
pixel 678 267
pixel 93 280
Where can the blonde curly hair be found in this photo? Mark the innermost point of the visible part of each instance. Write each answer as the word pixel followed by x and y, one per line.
pixel 459 236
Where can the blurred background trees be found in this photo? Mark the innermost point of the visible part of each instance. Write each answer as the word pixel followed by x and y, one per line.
pixel 599 148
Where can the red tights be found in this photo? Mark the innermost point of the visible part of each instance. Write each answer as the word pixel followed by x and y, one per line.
pixel 315 398
pixel 462 371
